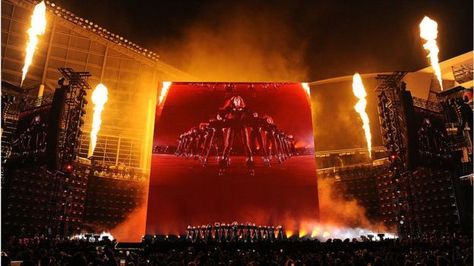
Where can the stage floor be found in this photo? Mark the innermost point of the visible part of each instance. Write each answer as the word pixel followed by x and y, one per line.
pixel 183 192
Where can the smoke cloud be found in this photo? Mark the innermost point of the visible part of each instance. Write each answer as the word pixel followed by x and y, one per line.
pixel 337 211
pixel 239 45
pixel 133 228
pixel 339 218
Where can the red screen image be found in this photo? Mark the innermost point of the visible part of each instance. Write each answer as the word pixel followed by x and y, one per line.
pixel 225 152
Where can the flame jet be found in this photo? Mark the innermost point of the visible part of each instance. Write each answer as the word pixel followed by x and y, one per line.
pixel 99 98
pixel 429 32
pixel 37 28
pixel 164 91
pixel 359 91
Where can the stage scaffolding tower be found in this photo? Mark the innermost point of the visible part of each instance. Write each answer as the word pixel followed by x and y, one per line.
pixel 392 115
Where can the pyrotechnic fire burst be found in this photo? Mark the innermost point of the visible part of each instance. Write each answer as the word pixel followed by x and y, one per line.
pixel 164 91
pixel 429 32
pixel 305 88
pixel 359 91
pixel 37 28
pixel 99 98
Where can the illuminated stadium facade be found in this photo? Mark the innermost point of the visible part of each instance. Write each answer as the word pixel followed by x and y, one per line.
pixel 131 73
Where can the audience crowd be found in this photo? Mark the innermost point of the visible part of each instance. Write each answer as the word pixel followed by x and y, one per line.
pixel 447 250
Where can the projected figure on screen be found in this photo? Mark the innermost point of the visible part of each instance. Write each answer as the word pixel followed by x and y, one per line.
pixel 236 114
pixel 285 146
pixel 202 135
pixel 214 139
pixel 257 134
pixel 291 143
pixel 271 137
pixel 236 129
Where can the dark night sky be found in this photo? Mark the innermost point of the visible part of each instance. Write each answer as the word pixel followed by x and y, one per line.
pixel 293 40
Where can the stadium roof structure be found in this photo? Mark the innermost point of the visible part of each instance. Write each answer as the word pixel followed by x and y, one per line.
pixel 132 74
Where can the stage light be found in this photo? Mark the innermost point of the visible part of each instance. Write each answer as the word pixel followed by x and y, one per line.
pixel 69 168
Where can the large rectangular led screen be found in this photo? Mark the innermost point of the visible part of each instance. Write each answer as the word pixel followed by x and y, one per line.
pixel 232 152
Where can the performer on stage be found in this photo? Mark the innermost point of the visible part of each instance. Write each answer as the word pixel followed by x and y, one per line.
pixel 257 124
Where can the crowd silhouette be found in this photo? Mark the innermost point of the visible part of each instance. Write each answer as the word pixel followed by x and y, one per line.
pixel 429 250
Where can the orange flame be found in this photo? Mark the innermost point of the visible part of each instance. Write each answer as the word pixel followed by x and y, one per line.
pixel 359 91
pixel 306 88
pixel 429 32
pixel 99 98
pixel 164 91
pixel 37 28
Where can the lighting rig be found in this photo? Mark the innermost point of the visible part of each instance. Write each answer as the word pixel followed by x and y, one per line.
pixel 75 85
pixel 392 115
pixel 72 93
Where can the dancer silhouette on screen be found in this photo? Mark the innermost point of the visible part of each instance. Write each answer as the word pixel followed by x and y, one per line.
pixel 236 128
